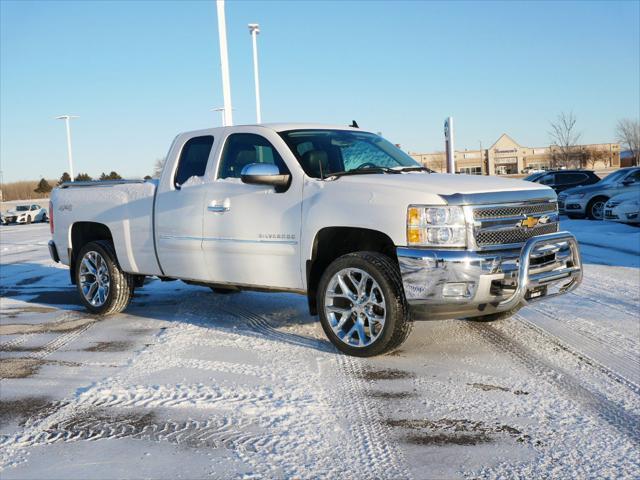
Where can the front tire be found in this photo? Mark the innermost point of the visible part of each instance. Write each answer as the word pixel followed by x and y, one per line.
pixel 104 288
pixel 362 307
pixel 595 209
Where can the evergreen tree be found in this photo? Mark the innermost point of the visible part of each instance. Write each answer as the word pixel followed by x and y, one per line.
pixel 64 178
pixel 83 177
pixel 43 186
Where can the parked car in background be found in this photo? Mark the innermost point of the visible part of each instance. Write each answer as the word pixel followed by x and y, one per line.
pixel 561 180
pixel 589 200
pixel 26 214
pixel 532 170
pixel 624 208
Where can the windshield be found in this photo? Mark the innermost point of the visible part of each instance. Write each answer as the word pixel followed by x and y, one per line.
pixel 22 208
pixel 534 176
pixel 324 152
pixel 614 177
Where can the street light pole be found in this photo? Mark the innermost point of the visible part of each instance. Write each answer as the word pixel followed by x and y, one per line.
pixel 224 65
pixel 66 119
pixel 254 30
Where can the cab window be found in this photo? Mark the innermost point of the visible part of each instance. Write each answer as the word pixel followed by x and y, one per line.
pixel 243 149
pixel 547 179
pixel 570 178
pixel 633 177
pixel 193 159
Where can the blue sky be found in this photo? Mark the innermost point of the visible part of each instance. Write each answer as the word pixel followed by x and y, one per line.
pixel 137 73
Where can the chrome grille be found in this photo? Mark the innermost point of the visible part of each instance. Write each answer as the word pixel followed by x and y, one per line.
pixel 512 236
pixel 515 210
pixel 502 226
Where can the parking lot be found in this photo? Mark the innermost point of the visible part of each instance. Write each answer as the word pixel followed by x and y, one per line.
pixel 247 385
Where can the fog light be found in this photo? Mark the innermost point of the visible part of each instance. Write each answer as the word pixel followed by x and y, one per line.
pixel 455 290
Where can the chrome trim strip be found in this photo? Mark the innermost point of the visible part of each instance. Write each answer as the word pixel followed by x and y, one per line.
pixel 500 198
pixel 234 240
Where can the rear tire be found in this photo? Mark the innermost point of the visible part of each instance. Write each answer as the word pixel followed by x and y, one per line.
pixel 374 295
pixel 103 287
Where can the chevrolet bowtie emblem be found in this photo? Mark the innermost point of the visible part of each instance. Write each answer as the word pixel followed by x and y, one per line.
pixel 529 222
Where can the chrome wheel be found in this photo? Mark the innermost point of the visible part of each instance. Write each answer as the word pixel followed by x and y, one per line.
pixel 94 278
pixel 355 307
pixel 597 209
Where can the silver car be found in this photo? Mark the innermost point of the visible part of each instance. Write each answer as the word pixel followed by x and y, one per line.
pixel 589 200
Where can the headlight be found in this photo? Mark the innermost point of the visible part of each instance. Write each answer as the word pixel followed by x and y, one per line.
pixel 575 196
pixel 436 226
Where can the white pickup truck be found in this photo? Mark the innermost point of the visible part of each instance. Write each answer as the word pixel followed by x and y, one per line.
pixel 373 239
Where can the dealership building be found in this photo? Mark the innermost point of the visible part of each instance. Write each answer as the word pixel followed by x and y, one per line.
pixel 508 157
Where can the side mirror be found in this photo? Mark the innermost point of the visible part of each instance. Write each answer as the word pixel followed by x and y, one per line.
pixel 264 174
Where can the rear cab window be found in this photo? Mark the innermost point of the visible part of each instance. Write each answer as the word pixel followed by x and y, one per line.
pixel 193 159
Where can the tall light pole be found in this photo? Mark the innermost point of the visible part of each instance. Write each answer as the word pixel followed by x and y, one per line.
pixel 66 119
pixel 224 65
pixel 254 30
pixel 221 110
pixel 449 145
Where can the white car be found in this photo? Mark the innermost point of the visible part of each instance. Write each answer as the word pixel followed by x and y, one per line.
pixel 373 239
pixel 26 214
pixel 624 208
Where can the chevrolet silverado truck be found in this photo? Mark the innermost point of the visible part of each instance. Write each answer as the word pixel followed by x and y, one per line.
pixel 341 215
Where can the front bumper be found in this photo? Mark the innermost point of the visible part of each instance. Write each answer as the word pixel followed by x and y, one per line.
pixel 461 283
pixel 625 213
pixel 573 206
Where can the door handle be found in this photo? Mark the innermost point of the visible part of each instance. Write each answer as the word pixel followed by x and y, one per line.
pixel 218 208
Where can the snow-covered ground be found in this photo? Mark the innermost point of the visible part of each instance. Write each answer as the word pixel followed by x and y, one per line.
pixel 192 384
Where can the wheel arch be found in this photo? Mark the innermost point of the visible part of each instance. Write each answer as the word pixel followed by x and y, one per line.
pixel 82 233
pixel 331 243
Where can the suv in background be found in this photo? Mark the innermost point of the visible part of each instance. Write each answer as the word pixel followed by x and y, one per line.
pixel 561 180
pixel 589 200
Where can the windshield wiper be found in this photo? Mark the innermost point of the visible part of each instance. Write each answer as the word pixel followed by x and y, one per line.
pixel 414 169
pixel 362 171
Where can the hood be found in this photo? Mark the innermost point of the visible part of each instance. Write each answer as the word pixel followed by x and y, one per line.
pixel 581 189
pixel 453 188
pixel 626 197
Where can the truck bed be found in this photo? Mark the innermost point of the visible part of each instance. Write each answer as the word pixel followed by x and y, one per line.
pixel 125 206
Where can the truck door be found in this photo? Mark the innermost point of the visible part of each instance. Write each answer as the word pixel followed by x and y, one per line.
pixel 251 233
pixel 178 209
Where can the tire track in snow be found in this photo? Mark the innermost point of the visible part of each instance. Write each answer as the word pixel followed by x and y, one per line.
pixel 616 416
pixel 92 425
pixel 619 364
pixel 382 458
pixel 374 444
pixel 377 453
pixel 52 346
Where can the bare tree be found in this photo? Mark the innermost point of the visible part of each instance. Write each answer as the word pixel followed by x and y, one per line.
pixel 157 167
pixel 628 134
pixel 564 138
pixel 592 156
